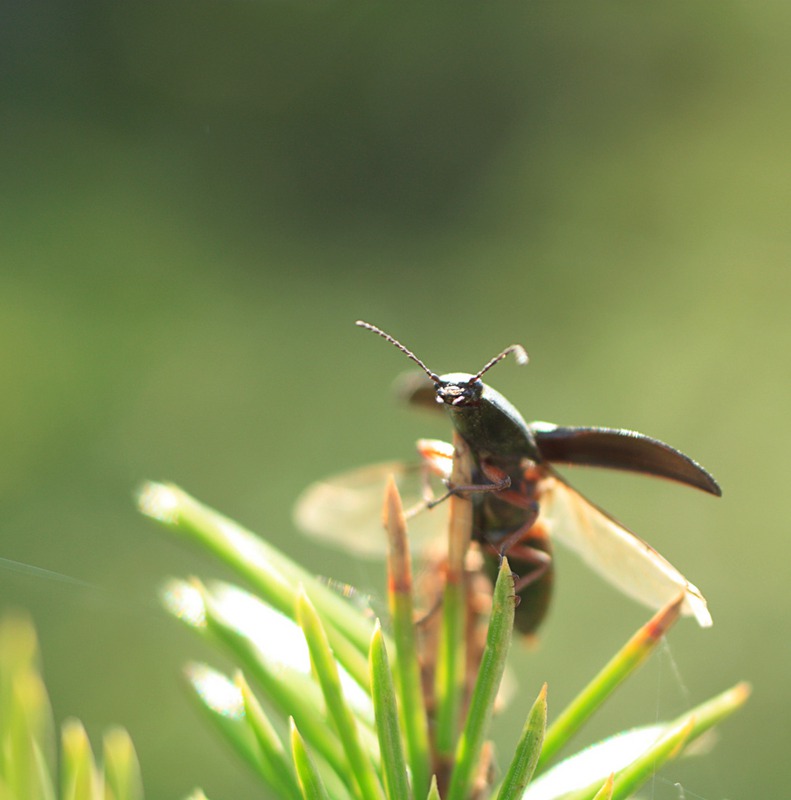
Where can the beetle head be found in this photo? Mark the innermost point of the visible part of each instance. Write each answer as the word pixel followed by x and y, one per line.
pixel 458 389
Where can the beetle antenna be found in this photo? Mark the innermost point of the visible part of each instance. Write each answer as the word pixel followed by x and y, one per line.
pixel 406 351
pixel 520 354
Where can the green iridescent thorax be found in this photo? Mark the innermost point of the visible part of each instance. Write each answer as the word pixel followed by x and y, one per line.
pixel 486 420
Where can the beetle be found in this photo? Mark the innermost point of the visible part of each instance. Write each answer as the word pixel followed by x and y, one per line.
pixel 520 503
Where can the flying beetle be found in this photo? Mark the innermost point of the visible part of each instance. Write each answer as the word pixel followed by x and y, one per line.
pixel 520 503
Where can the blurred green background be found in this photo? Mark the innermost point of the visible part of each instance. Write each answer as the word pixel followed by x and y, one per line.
pixel 197 201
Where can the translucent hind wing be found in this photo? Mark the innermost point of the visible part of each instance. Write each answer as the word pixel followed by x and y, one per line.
pixel 617 554
pixel 345 510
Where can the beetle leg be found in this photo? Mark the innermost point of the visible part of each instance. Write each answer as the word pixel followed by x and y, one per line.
pixel 539 560
pixel 426 616
pixel 542 563
pixel 429 501
pixel 513 542
pixel 427 493
pixel 498 486
pixel 516 545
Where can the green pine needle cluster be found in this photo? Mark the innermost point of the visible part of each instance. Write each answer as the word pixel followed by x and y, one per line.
pixel 342 709
pixel 326 705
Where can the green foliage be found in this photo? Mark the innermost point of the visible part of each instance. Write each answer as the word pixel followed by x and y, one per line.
pixel 350 733
pixel 27 735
